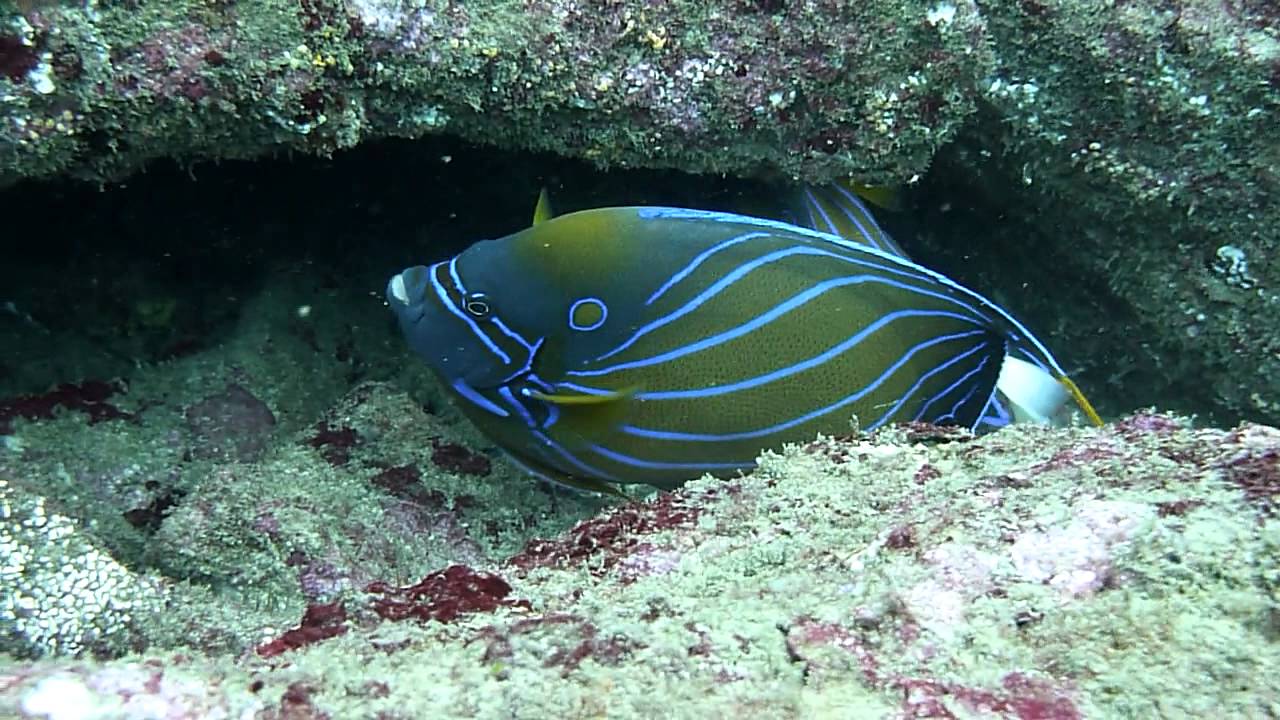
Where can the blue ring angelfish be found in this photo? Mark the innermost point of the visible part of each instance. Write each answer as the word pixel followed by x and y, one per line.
pixel 726 335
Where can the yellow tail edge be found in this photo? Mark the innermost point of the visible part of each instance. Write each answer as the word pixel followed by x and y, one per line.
pixel 1081 400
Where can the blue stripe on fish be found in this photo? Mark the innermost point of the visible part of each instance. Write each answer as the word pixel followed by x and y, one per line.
pixel 721 217
pixel 807 364
pixel 859 214
pixel 448 302
pixel 654 465
pixel 746 268
pixel 575 463
pixel 778 427
pixel 475 398
pixel 698 260
pixel 967 377
pixel 760 321
pixel 519 407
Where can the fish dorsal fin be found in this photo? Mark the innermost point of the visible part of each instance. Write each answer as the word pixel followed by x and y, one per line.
pixel 542 212
pixel 837 209
pixel 888 197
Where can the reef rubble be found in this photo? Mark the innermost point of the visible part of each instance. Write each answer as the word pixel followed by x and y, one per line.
pixel 1129 570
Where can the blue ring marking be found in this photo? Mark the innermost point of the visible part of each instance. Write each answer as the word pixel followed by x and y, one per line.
pixel 698 260
pixel 764 319
pixel 443 294
pixel 902 400
pixel 799 420
pixel 462 388
pixel 604 314
pixel 646 213
pixel 747 267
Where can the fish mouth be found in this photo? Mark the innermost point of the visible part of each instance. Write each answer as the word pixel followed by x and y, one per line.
pixel 396 290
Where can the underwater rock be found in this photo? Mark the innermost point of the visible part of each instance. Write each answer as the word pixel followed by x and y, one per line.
pixel 1050 573
pixel 60 592
pixel 809 88
pixel 230 426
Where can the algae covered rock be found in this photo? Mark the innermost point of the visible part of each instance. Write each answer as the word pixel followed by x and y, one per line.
pixel 815 88
pixel 1124 571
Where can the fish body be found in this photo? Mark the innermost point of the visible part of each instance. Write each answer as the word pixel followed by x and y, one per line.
pixel 652 345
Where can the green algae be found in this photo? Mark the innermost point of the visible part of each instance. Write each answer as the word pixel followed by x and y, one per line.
pixel 794 591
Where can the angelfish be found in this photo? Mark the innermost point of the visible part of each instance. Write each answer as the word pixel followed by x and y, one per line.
pixel 656 344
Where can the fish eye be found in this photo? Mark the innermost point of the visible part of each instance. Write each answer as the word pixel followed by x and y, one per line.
pixel 477 305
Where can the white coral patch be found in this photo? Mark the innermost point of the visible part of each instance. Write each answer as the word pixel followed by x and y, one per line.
pixel 1078 558
pixel 941 14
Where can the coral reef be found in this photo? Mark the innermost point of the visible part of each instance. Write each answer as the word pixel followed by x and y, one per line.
pixel 1032 573
pixel 698 86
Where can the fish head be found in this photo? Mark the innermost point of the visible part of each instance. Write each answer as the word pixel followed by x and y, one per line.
pixel 520 309
pixel 457 326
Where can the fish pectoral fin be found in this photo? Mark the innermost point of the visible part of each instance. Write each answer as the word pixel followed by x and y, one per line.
pixel 585 417
pixel 565 399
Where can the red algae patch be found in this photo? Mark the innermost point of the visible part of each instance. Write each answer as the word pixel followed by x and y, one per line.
pixel 444 596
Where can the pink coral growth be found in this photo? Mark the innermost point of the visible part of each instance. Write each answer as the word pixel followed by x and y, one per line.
pixel 1020 697
pixel 1254 466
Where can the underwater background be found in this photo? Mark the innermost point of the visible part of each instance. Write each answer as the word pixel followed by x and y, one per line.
pixel 228 487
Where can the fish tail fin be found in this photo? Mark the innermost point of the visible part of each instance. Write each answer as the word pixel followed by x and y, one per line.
pixel 1038 392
